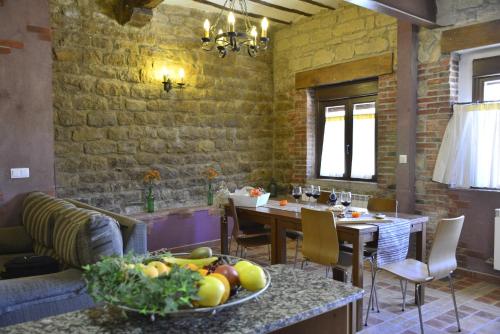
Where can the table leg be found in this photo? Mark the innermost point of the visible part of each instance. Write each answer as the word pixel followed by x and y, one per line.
pixel 357 276
pixel 420 255
pixel 224 246
pixel 278 246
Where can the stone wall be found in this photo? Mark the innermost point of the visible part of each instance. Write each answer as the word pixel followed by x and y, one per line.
pixel 113 121
pixel 330 37
pixel 460 12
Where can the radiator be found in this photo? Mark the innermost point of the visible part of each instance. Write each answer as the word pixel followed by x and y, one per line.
pixel 496 260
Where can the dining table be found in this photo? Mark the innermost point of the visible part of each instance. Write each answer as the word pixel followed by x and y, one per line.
pixel 356 232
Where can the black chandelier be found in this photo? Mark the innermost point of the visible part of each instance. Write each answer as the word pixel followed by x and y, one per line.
pixel 230 39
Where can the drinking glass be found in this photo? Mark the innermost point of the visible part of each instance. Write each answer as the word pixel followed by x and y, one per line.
pixel 309 192
pixel 297 194
pixel 316 191
pixel 345 199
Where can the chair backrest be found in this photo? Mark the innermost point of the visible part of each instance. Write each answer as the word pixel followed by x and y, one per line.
pixel 320 244
pixel 382 204
pixel 236 223
pixel 324 196
pixel 442 260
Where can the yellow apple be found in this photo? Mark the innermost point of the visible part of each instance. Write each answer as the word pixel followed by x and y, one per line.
pixel 241 264
pixel 252 278
pixel 211 291
pixel 162 268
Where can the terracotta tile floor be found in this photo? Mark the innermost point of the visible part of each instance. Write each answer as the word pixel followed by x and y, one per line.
pixel 478 302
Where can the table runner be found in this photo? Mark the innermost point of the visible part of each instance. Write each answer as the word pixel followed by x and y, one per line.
pixel 393 241
pixel 294 207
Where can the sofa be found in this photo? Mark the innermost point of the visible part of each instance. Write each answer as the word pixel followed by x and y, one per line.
pixel 75 234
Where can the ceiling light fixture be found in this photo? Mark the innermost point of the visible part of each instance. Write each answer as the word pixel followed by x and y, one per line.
pixel 225 37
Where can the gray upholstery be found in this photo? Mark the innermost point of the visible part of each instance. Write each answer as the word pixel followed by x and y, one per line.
pixel 32 298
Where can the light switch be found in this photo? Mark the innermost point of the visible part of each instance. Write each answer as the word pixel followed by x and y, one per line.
pixel 19 173
pixel 403 158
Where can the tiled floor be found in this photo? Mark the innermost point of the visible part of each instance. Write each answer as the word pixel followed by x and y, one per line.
pixel 478 302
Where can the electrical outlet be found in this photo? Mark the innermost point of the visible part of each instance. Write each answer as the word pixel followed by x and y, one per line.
pixel 19 173
pixel 403 158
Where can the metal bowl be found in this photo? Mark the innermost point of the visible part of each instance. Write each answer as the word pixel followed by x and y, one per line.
pixel 240 297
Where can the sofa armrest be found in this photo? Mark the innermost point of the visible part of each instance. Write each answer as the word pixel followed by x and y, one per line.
pixel 134 232
pixel 15 239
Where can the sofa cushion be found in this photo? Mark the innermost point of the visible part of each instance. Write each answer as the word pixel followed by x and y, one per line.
pixel 82 236
pixel 21 292
pixel 40 249
pixel 38 210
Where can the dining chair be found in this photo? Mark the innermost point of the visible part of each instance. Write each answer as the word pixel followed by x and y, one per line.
pixel 321 243
pixel 382 204
pixel 246 238
pixel 324 197
pixel 441 263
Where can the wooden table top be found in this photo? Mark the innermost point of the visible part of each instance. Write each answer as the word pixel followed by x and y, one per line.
pixel 296 217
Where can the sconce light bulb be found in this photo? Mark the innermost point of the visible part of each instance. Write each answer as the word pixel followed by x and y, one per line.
pixel 181 74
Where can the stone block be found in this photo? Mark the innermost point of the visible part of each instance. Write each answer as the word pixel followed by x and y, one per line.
pixel 127 147
pixel 135 105
pixel 375 45
pixel 71 118
pixel 101 119
pixel 88 134
pixel 118 133
pixel 100 147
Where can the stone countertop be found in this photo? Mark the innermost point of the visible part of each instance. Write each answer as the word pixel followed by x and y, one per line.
pixel 294 295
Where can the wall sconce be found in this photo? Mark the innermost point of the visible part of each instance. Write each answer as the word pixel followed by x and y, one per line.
pixel 168 84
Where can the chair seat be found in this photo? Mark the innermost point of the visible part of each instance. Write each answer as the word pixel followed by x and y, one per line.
pixel 368 252
pixel 253 240
pixel 294 234
pixel 409 269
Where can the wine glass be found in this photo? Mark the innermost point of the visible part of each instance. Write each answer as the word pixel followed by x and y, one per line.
pixel 345 199
pixel 309 192
pixel 297 194
pixel 316 191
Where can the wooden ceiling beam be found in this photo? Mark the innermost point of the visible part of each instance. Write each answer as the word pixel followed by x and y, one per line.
pixel 421 12
pixel 285 9
pixel 473 36
pixel 256 16
pixel 318 4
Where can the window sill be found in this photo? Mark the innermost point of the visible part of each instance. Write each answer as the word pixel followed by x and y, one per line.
pixel 358 186
pixel 488 190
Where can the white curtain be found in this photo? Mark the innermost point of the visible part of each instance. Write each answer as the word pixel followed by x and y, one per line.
pixel 469 155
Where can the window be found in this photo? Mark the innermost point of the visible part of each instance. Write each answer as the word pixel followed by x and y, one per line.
pixel 346 131
pixel 486 77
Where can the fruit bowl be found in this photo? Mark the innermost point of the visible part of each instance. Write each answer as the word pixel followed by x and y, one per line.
pixel 238 297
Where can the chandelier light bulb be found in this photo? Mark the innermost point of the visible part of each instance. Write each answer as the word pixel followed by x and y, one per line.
pixel 206 27
pixel 253 33
pixel 220 38
pixel 231 20
pixel 264 25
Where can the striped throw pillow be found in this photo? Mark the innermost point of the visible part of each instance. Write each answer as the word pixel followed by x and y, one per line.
pixel 38 219
pixel 81 236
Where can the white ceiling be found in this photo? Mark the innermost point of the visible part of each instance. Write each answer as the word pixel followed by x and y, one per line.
pixel 261 9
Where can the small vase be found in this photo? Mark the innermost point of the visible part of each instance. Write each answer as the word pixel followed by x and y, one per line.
pixel 150 204
pixel 210 195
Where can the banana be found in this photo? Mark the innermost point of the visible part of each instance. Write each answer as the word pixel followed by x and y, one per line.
pixel 199 262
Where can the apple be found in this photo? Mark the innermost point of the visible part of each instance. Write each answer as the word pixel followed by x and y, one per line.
pixel 252 278
pixel 242 264
pixel 211 291
pixel 150 271
pixel 227 287
pixel 162 268
pixel 230 273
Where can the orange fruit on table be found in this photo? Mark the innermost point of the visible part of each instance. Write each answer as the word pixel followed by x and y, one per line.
pixel 356 214
pixel 283 202
pixel 227 286
pixel 191 266
pixel 203 272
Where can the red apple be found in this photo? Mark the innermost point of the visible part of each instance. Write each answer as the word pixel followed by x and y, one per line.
pixel 230 273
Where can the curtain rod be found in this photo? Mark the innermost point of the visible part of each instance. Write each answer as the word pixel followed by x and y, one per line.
pixel 476 102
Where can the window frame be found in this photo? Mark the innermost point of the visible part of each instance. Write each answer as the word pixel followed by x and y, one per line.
pixel 484 69
pixel 349 103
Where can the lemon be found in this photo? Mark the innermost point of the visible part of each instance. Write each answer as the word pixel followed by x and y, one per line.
pixel 241 264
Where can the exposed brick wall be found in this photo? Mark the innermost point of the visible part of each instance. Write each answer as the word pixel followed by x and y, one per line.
pixel 330 37
pixel 113 121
